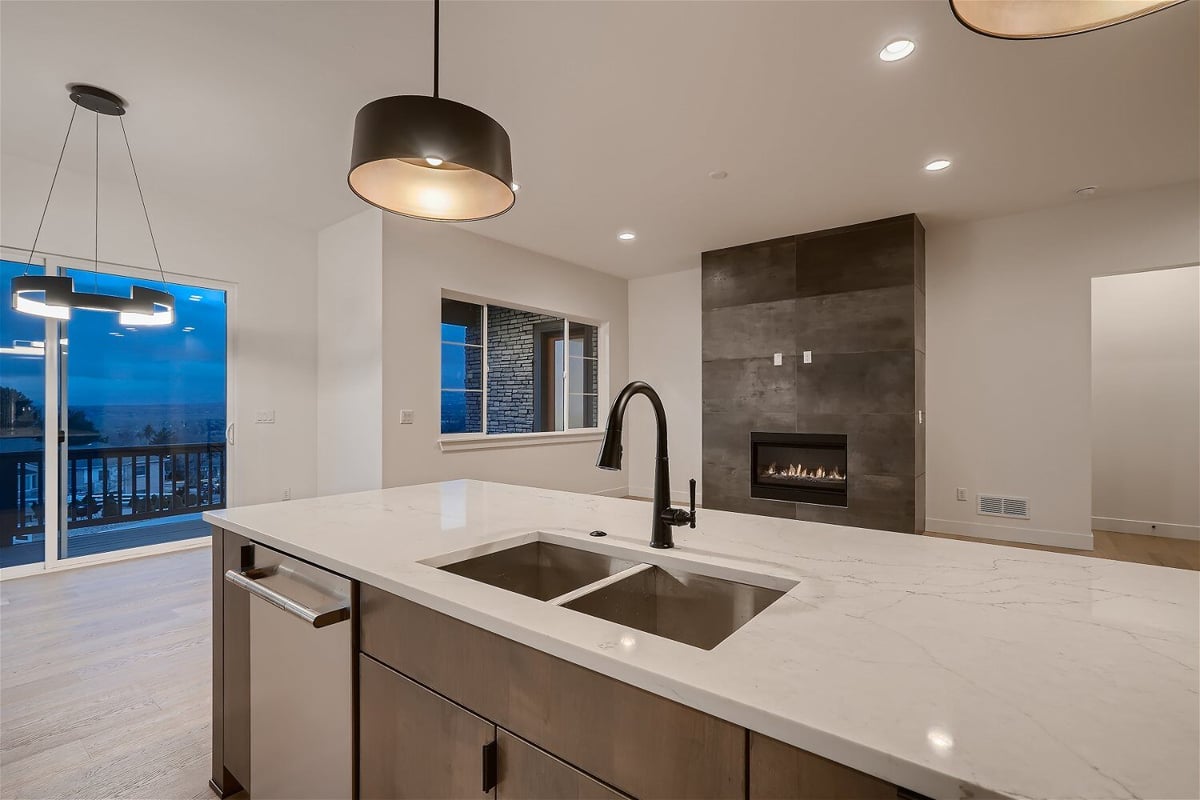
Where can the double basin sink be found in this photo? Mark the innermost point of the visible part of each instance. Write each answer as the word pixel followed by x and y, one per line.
pixel 697 610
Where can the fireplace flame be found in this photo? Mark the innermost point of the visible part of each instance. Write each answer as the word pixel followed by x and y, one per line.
pixel 801 472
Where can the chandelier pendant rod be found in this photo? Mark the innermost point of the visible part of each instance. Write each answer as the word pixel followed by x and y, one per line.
pixel 437 43
pixel 153 243
pixel 50 194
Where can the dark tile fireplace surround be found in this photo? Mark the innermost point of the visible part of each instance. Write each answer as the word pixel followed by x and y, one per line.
pixel 837 439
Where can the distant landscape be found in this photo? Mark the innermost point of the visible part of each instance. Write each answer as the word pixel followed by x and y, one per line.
pixel 122 425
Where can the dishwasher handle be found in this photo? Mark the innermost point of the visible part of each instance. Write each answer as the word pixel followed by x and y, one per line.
pixel 317 617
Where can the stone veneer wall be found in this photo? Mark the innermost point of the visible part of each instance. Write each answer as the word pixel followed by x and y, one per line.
pixel 510 379
pixel 855 297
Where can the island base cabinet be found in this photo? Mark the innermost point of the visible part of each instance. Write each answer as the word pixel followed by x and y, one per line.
pixel 525 772
pixel 779 771
pixel 417 745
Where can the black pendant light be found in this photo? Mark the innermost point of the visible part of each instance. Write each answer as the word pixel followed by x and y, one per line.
pixel 53 296
pixel 431 158
pixel 1047 19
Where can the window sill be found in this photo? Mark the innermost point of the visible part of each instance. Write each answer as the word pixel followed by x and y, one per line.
pixel 483 441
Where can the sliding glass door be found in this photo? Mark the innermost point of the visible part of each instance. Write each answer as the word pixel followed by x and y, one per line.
pixel 136 426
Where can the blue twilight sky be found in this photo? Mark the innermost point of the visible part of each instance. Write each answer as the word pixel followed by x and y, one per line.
pixel 109 364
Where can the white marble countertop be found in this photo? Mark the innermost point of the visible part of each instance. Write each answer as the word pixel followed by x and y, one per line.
pixel 951 668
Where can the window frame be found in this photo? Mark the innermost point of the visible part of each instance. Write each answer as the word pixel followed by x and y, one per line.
pixel 482 439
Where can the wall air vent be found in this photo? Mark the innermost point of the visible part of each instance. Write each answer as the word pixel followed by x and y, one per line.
pixel 992 505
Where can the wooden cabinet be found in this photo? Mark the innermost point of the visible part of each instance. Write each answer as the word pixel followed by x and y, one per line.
pixel 640 743
pixel 414 744
pixel 525 772
pixel 778 771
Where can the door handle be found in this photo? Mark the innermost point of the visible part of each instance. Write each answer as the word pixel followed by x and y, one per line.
pixel 229 433
pixel 249 579
pixel 489 766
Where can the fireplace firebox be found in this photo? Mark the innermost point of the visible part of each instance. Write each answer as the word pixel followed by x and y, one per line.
pixel 800 467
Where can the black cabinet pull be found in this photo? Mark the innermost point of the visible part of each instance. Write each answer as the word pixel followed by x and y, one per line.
pixel 489 766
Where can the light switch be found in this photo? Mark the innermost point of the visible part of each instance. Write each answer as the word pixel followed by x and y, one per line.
pixel 779 359
pixel 406 416
pixel 264 417
pixel 808 356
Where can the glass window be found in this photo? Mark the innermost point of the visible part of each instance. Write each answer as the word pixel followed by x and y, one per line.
pixel 583 376
pixel 462 367
pixel 542 371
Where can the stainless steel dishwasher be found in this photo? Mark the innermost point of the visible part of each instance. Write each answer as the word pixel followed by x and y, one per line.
pixel 301 694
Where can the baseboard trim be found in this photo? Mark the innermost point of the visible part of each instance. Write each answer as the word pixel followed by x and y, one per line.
pixel 1004 533
pixel 1169 529
pixel 677 495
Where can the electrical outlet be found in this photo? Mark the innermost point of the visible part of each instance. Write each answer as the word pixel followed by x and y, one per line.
pixel 961 494
pixel 406 416
pixel 287 493
pixel 779 359
pixel 808 356
pixel 264 417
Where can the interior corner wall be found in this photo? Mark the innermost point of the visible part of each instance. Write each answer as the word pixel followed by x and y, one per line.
pixel 1009 353
pixel 420 260
pixel 350 354
pixel 272 324
pixel 664 322
pixel 1146 403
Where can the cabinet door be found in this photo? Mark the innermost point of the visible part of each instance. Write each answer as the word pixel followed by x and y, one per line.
pixel 417 744
pixel 525 772
pixel 778 770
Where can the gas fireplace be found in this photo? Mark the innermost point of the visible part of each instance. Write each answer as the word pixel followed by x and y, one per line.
pixel 800 467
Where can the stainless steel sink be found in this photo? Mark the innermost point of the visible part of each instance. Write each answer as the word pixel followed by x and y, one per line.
pixel 683 606
pixel 539 569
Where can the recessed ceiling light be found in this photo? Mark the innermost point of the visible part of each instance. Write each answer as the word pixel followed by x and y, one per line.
pixel 115 333
pixel 516 187
pixel 434 161
pixel 627 236
pixel 894 51
pixel 188 329
pixel 132 329
pixel 718 174
pixel 195 298
pixel 937 165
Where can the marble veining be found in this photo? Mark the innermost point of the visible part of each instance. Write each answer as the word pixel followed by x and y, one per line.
pixel 952 668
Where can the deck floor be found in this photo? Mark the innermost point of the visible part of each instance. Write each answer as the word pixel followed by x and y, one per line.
pixel 106 539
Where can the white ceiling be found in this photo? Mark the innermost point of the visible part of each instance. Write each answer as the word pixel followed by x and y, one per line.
pixel 619 110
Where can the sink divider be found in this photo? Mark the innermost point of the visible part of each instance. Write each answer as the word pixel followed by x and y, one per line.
pixel 600 584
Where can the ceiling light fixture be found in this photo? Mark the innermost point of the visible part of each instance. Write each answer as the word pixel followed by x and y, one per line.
pixel 894 51
pixel 937 165
pixel 391 166
pixel 1046 19
pixel 627 236
pixel 53 296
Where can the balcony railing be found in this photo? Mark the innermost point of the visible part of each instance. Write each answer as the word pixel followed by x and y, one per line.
pixel 107 485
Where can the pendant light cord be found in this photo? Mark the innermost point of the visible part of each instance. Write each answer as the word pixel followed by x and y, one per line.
pixel 142 197
pixel 437 42
pixel 50 194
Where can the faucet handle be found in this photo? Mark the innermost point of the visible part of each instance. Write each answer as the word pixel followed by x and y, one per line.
pixel 692 503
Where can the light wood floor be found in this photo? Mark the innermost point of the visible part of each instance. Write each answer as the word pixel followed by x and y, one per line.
pixel 1157 550
pixel 105 673
pixel 105 681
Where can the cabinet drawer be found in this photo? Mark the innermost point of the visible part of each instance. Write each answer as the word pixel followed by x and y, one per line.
pixel 779 771
pixel 643 744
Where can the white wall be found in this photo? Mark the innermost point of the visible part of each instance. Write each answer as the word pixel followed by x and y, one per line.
pixel 1009 352
pixel 1146 402
pixel 420 259
pixel 350 354
pixel 272 325
pixel 664 336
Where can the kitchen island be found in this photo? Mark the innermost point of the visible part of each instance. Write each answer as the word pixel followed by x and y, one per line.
pixel 946 668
